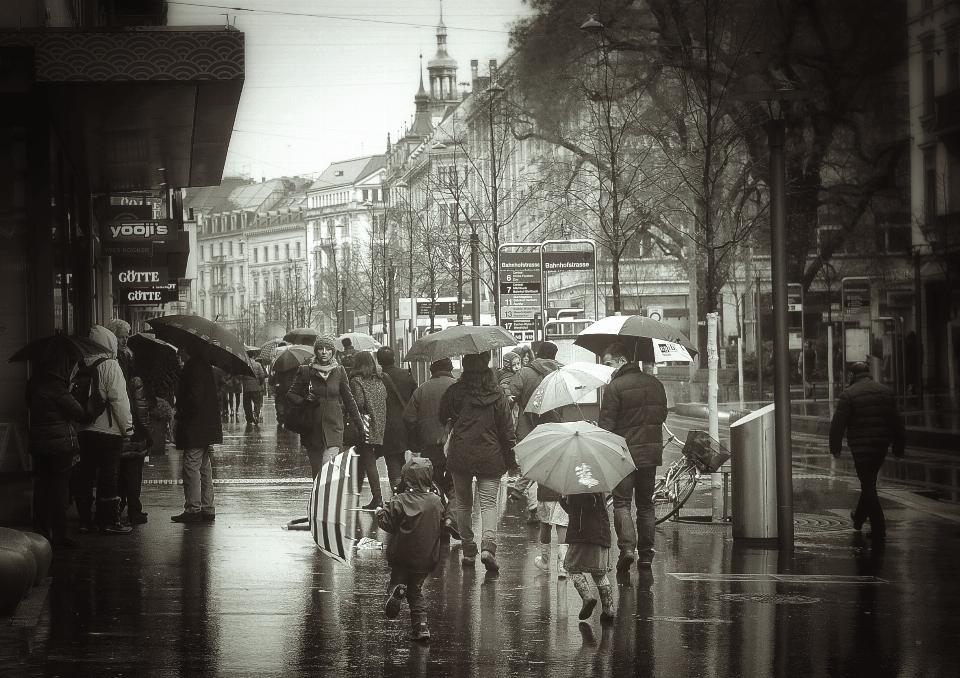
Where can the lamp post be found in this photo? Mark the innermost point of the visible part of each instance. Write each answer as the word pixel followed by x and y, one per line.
pixel 492 91
pixel 776 137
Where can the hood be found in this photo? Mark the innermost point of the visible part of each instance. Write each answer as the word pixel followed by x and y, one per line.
pixel 104 337
pixel 417 474
pixel 545 366
pixel 486 397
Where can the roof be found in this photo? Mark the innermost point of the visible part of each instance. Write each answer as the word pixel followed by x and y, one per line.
pixel 348 172
pixel 235 193
pixel 210 198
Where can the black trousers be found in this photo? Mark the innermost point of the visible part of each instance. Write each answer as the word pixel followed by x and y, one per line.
pixel 414 583
pixel 99 464
pixel 441 478
pixel 51 494
pixel 868 506
pixel 368 465
pixel 129 481
pixel 252 402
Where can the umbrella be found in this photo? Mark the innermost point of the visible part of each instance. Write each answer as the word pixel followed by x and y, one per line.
pixel 65 346
pixel 360 341
pixel 268 351
pixel 193 332
pixel 146 341
pixel 568 385
pixel 574 457
pixel 302 335
pixel 331 504
pixel 458 340
pixel 635 331
pixel 291 358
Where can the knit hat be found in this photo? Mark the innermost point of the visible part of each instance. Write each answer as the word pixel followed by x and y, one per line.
pixel 476 362
pixel 327 340
pixel 442 365
pixel 119 327
pixel 508 356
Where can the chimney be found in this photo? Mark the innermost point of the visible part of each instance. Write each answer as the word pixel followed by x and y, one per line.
pixel 474 70
pixel 493 70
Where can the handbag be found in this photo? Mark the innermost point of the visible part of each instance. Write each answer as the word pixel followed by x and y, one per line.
pixel 299 418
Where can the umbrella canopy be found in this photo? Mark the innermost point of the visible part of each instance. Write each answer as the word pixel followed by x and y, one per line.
pixel 458 340
pixel 224 348
pixel 568 385
pixel 574 457
pixel 268 351
pixel 302 335
pixel 67 347
pixel 147 341
pixel 332 522
pixel 252 351
pixel 291 358
pixel 636 331
pixel 360 341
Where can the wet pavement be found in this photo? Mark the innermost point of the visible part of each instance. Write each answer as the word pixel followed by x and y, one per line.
pixel 243 597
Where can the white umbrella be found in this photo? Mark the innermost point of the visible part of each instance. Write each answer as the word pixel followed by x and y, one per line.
pixel 568 385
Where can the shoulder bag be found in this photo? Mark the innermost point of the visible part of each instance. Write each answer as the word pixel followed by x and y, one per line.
pixel 299 418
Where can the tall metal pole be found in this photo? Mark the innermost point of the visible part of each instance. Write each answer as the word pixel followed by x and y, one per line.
pixel 475 278
pixel 390 291
pixel 918 323
pixel 781 346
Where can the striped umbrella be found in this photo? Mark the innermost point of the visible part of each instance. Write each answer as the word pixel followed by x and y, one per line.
pixel 332 522
pixel 636 332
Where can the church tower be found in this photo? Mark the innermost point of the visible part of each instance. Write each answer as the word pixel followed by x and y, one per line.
pixel 443 75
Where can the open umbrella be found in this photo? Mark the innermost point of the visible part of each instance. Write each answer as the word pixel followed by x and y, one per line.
pixel 636 331
pixel 69 347
pixel 224 348
pixel 360 341
pixel 252 351
pixel 291 358
pixel 302 335
pixel 568 385
pixel 458 340
pixel 332 522
pixel 147 341
pixel 574 457
pixel 268 352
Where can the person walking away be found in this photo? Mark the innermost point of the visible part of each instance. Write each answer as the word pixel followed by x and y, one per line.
pixel 400 387
pixel 412 518
pixel 53 447
pixel 101 438
pixel 424 433
pixel 370 393
pixel 324 385
pixel 807 367
pixel 634 406
pixel 235 395
pixel 481 444
pixel 588 540
pixel 348 355
pixel 198 429
pixel 867 412
pixel 253 392
pixel 522 386
pixel 552 516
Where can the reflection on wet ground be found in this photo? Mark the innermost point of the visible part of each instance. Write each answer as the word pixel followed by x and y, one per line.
pixel 242 597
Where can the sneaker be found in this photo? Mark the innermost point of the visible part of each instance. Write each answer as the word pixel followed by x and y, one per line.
pixel 541 564
pixel 65 544
pixel 187 518
pixel 137 518
pixel 489 560
pixel 397 594
pixel 116 528
pixel 207 516
pixel 625 560
pixel 372 506
pixel 88 527
pixel 421 633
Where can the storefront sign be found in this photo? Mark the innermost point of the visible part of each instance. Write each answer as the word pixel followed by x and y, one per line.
pixel 149 295
pixel 137 231
pixel 141 276
pixel 143 250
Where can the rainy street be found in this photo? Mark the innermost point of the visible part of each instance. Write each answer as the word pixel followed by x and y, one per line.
pixel 242 596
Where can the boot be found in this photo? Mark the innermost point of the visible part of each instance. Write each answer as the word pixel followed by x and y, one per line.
pixel 469 554
pixel 561 557
pixel 488 556
pixel 543 560
pixel 589 602
pixel 85 511
pixel 421 632
pixel 108 515
pixel 397 594
pixel 606 603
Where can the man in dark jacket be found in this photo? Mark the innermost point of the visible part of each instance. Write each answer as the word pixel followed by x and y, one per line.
pixel 412 517
pixel 400 388
pixel 424 432
pixel 522 386
pixel 634 406
pixel 868 412
pixel 198 430
pixel 253 392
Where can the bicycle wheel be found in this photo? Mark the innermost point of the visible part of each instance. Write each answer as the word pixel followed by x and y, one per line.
pixel 673 490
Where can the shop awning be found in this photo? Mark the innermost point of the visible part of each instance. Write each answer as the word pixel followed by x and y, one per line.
pixel 143 107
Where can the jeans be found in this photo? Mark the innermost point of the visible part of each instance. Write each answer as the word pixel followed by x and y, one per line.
pixel 51 494
pixel 252 402
pixel 868 506
pixel 198 479
pixel 318 457
pixel 128 484
pixel 414 583
pixel 488 489
pixel 368 463
pixel 442 479
pixel 99 464
pixel 529 489
pixel 637 486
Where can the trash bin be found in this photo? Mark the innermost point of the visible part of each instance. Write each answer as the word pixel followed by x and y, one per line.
pixel 753 475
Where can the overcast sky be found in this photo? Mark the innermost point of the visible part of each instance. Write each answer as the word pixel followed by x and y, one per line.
pixel 328 80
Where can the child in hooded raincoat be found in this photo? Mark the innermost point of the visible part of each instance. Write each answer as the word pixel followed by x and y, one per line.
pixel 414 519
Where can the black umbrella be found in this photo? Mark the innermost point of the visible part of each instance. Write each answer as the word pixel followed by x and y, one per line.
pixel 67 347
pixel 302 335
pixel 635 331
pixel 145 341
pixel 291 358
pixel 458 340
pixel 224 348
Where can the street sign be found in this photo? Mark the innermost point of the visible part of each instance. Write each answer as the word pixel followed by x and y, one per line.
pixel 655 312
pixel 444 308
pixel 569 260
pixel 521 285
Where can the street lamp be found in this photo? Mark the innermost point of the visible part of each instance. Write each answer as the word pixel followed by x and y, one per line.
pixel 776 137
pixel 493 90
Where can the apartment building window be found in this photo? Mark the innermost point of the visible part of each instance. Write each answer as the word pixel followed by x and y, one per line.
pixel 233 309
pixel 266 254
pixel 953 56
pixel 230 248
pixel 241 247
pixel 255 254
pixel 276 252
pixel 927 77
pixel 221 248
pixel 201 252
pixel 203 307
pixel 929 185
pixel 298 249
pixel 256 286
pixel 286 250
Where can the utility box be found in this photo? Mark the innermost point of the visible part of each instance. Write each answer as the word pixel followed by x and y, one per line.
pixel 753 475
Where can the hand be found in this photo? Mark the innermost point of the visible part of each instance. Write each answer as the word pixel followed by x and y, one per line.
pixel 311 398
pixel 379 510
pixel 514 472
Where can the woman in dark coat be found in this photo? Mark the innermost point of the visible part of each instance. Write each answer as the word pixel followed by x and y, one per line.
pixel 323 382
pixel 481 446
pixel 53 445
pixel 366 383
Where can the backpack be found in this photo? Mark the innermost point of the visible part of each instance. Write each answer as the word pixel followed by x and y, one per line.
pixel 86 390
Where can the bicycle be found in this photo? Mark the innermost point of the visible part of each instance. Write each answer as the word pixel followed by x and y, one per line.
pixel 701 455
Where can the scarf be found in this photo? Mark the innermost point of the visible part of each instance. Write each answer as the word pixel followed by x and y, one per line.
pixel 323 371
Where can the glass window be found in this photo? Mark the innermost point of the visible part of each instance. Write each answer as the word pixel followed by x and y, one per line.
pixel 255 251
pixel 276 252
pixel 929 185
pixel 927 82
pixel 298 249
